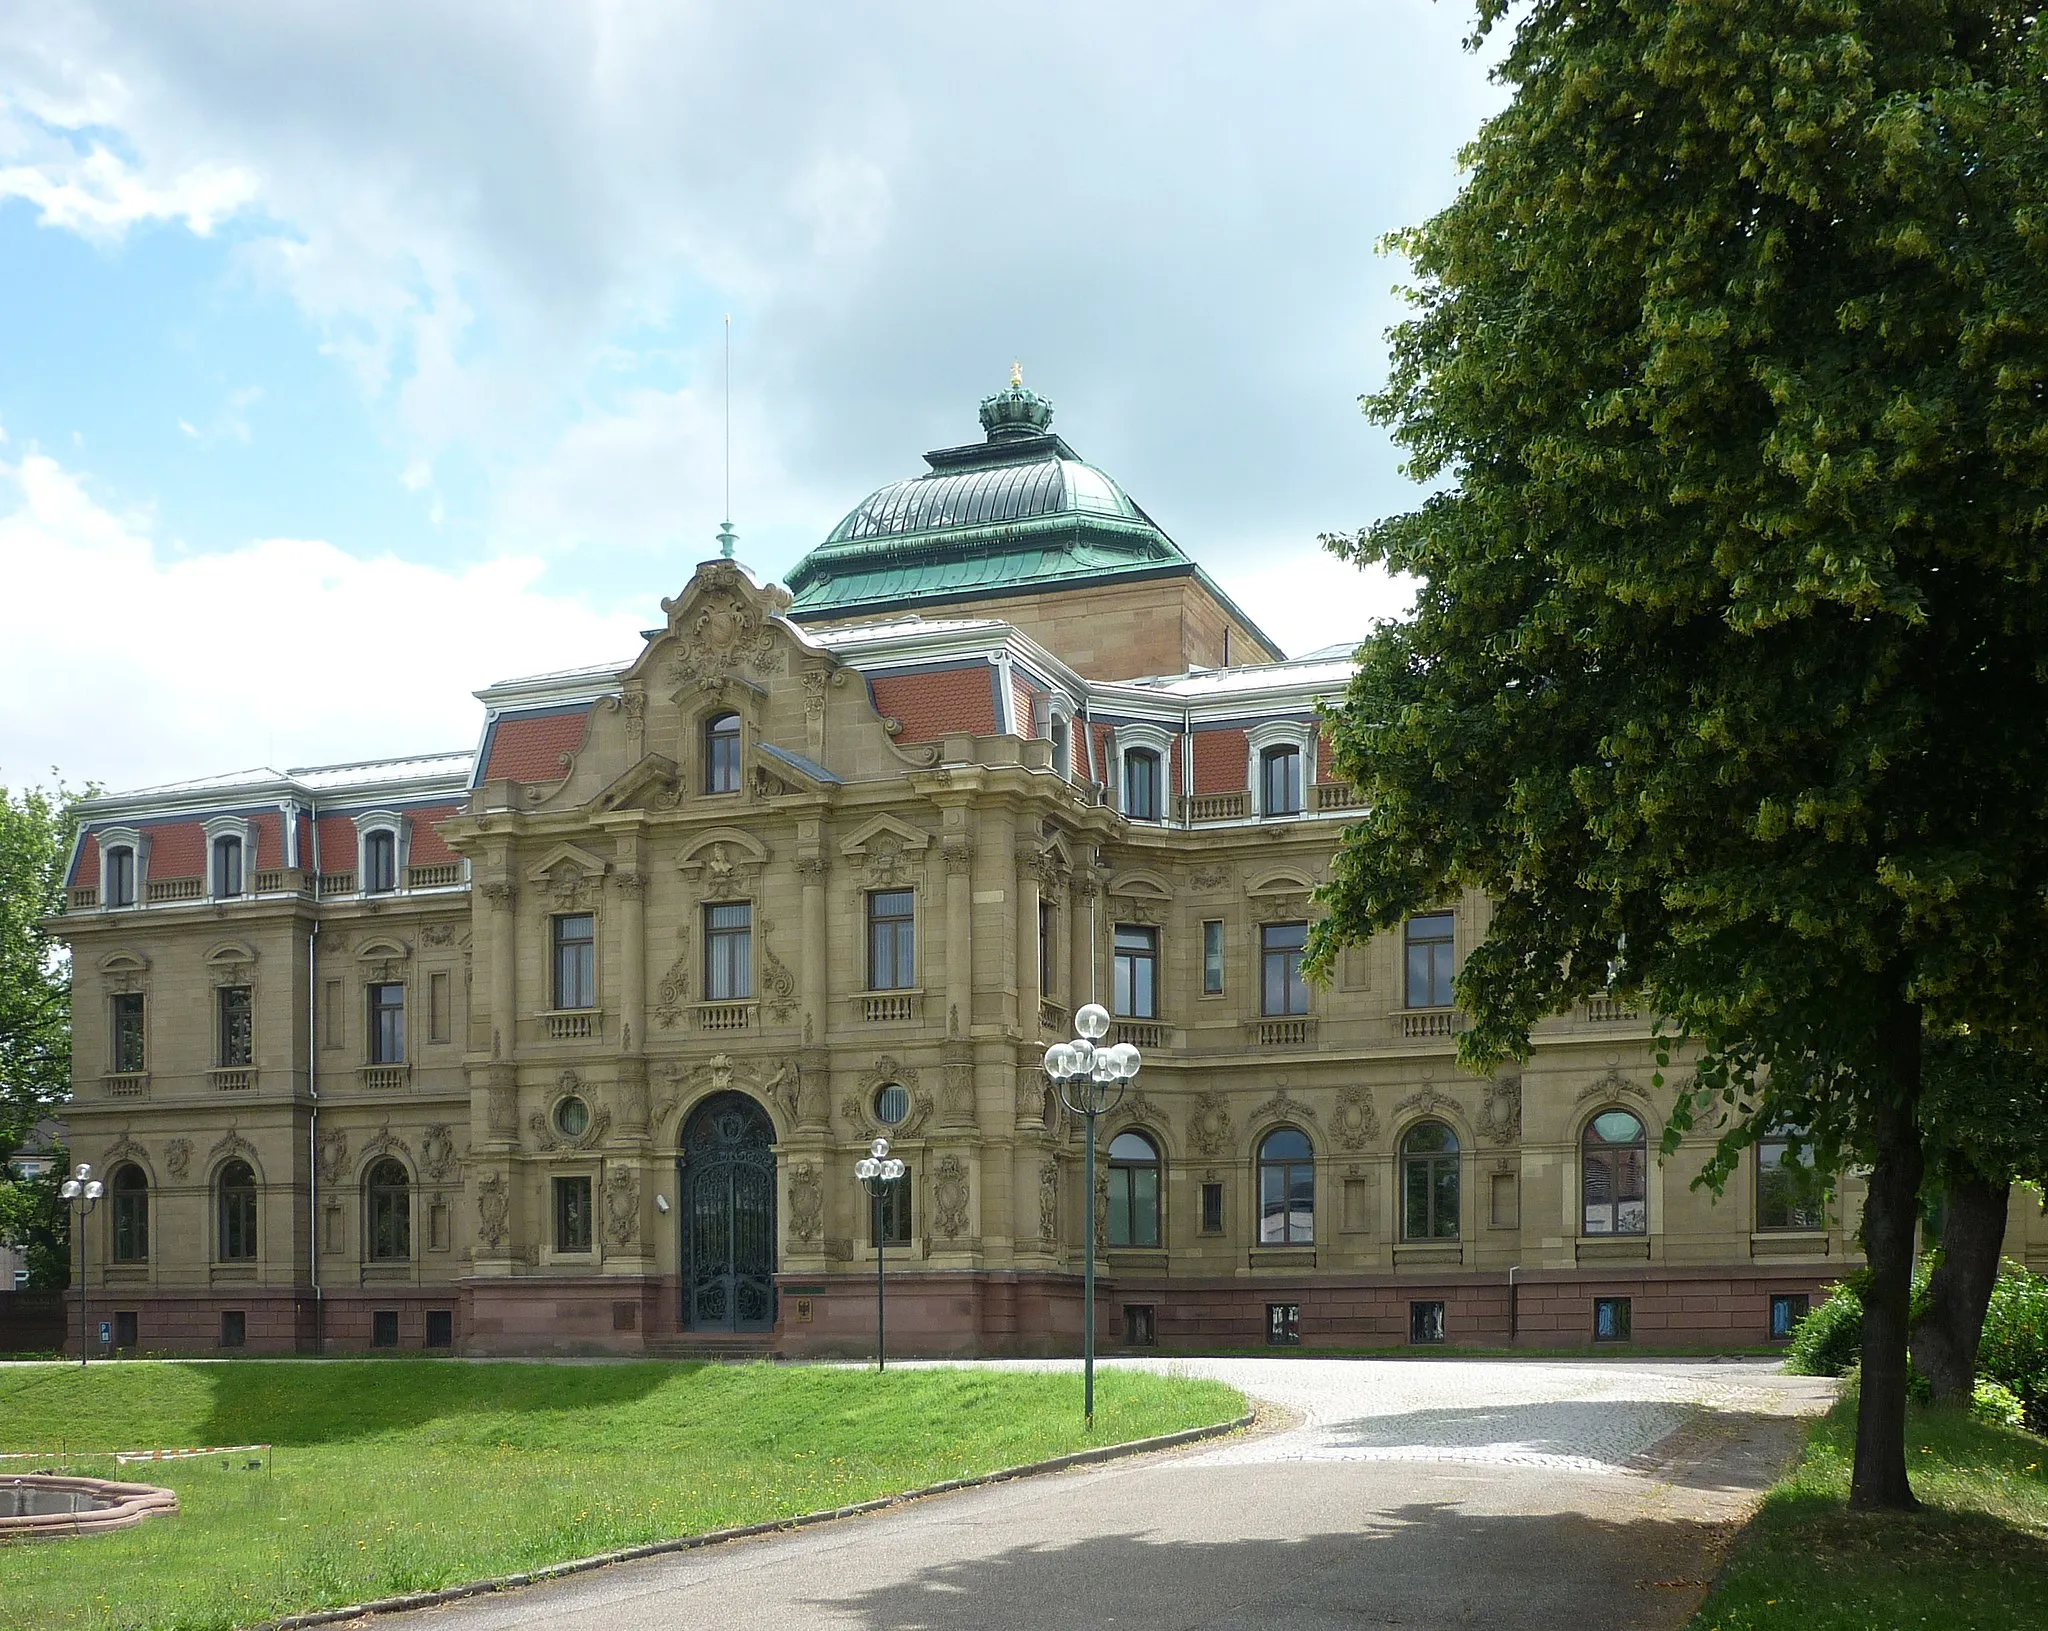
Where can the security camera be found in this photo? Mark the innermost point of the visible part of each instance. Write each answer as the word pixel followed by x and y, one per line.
pixel 661 1204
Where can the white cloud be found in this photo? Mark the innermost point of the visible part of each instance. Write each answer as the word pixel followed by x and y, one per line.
pixel 126 662
pixel 1306 598
pixel 99 196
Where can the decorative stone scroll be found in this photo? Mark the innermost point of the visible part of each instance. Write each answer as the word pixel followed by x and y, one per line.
pixel 1209 1125
pixel 492 1206
pixel 806 1201
pixel 1500 1119
pixel 622 1207
pixel 949 1196
pixel 1049 1202
pixel 1355 1124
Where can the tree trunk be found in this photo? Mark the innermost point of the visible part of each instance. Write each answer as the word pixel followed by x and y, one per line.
pixel 1890 1216
pixel 1945 1338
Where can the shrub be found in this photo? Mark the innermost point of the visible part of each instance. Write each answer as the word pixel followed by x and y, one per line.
pixel 1830 1339
pixel 2014 1352
pixel 1998 1405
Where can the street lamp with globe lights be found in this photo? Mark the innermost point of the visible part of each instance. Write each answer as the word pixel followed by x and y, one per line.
pixel 878 1169
pixel 1091 1082
pixel 83 1191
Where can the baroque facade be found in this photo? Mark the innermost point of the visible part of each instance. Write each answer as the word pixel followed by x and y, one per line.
pixel 570 1043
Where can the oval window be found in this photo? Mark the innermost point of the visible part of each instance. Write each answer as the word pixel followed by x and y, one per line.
pixel 892 1104
pixel 572 1117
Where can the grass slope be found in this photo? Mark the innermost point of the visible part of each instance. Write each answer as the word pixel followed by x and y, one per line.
pixel 1976 1559
pixel 401 1475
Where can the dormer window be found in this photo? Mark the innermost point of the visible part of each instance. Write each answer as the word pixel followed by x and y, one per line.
pixel 1280 781
pixel 1141 785
pixel 1062 747
pixel 121 876
pixel 722 754
pixel 227 867
pixel 380 861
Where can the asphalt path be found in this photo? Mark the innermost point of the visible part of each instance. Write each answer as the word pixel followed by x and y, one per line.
pixel 1429 1493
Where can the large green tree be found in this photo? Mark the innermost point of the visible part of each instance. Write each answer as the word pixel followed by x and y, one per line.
pixel 35 1012
pixel 1725 676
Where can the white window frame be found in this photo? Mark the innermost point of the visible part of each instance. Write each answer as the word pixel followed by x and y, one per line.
pixel 130 839
pixel 1299 734
pixel 1152 739
pixel 373 821
pixel 231 827
pixel 1052 706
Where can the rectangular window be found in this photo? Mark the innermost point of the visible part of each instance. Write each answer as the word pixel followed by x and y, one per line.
pixel 128 1054
pixel 1283 1325
pixel 1136 974
pixel 1612 1319
pixel 387 1024
pixel 1430 943
pixel 728 952
pixel 440 1328
pixel 380 862
pixel 572 1214
pixel 1425 1323
pixel 1786 1313
pixel 126 1332
pixel 1141 785
pixel 575 961
pixel 1046 924
pixel 440 1016
pixel 1788 1188
pixel 1280 781
pixel 1281 946
pixel 895 1212
pixel 1212 958
pixel 330 1002
pixel 384 1328
pixel 227 866
pixel 237 1027
pixel 234 1327
pixel 1141 1325
pixel 1212 1209
pixel 892 940
pixel 120 877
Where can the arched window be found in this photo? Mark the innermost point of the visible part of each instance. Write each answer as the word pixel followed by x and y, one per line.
pixel 380 861
pixel 1141 784
pixel 227 867
pixel 1429 1182
pixel 131 1214
pixel 121 876
pixel 390 1212
pixel 1287 1189
pixel 1612 1173
pixel 1280 781
pixel 237 1191
pixel 1133 1191
pixel 722 754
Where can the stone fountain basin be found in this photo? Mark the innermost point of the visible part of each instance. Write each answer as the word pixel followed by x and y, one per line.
pixel 45 1506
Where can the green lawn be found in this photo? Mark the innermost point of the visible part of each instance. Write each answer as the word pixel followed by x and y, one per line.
pixel 1976 1559
pixel 401 1475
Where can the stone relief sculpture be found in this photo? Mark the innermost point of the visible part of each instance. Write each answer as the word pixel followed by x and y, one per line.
pixel 178 1157
pixel 1209 1125
pixel 1356 1124
pixel 949 1196
pixel 806 1201
pixel 437 1151
pixel 1049 1202
pixel 622 1207
pixel 492 1206
pixel 1501 1117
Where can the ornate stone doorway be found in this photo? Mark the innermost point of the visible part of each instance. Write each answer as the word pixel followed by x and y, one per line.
pixel 726 1177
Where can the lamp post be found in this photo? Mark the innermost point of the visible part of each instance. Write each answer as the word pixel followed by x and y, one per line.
pixel 83 1191
pixel 878 1169
pixel 1090 1081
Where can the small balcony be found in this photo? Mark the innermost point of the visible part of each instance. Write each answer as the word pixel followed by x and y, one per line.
pixel 1420 1023
pixel 1609 1011
pixel 125 1084
pixel 159 890
pixel 1289 1031
pixel 572 1025
pixel 725 1016
pixel 889 1007
pixel 1216 806
pixel 1337 796
pixel 233 1078
pixel 384 1078
pixel 1146 1035
pixel 443 875
pixel 85 898
pixel 337 883
pixel 1052 1018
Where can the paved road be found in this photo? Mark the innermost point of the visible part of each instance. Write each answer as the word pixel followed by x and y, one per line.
pixel 1575 1495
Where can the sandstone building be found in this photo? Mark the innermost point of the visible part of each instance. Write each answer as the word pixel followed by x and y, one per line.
pixel 570 1043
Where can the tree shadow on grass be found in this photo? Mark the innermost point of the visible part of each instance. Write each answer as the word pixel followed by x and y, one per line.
pixel 334 1401
pixel 1422 1565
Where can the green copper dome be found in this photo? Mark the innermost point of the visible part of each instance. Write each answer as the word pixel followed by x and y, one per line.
pixel 1019 513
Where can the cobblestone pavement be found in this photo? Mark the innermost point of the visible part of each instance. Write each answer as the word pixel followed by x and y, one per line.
pixel 1576 1495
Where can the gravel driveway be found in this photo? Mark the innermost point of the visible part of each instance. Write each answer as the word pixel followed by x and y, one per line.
pixel 1424 1493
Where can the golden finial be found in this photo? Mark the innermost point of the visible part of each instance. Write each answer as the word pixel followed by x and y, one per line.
pixel 1016 376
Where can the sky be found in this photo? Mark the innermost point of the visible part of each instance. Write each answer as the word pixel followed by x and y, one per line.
pixel 355 356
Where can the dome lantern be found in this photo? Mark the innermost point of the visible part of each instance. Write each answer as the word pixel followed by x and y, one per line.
pixel 1015 413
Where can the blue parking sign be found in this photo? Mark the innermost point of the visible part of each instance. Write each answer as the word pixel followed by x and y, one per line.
pixel 106 1332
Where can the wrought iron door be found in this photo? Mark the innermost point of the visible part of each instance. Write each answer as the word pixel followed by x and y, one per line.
pixel 728 1221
